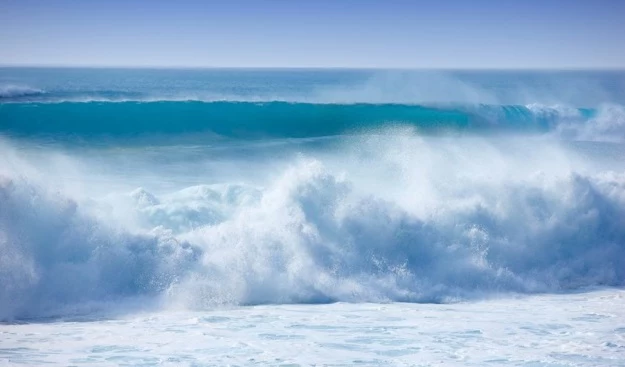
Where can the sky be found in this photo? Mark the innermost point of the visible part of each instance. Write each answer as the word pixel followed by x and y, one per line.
pixel 316 33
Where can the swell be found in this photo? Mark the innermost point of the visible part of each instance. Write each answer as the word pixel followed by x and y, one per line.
pixel 269 119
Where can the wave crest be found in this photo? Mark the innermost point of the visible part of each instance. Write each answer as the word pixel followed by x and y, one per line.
pixel 12 91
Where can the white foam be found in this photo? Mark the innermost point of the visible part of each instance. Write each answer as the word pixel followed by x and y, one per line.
pixel 549 330
pixel 387 217
pixel 608 125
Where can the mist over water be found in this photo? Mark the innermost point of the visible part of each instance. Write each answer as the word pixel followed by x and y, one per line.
pixel 427 188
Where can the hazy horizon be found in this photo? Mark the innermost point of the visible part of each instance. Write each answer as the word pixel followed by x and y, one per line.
pixel 355 68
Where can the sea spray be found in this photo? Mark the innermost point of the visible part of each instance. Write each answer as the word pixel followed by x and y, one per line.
pixel 392 216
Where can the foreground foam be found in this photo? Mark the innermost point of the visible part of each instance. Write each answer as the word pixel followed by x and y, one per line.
pixel 547 330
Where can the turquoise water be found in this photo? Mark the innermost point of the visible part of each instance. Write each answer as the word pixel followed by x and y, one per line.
pixel 296 103
pixel 267 119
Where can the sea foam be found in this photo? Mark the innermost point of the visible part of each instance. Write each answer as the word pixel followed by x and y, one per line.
pixel 385 217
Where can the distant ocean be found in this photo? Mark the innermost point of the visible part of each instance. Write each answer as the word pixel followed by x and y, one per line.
pixel 300 216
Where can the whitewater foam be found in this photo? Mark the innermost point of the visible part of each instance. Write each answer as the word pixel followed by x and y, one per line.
pixel 607 125
pixel 461 219
pixel 547 330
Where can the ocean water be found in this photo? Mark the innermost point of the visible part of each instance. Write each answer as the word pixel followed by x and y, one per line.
pixel 298 217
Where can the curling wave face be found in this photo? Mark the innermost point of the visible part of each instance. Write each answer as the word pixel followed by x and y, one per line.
pixel 95 120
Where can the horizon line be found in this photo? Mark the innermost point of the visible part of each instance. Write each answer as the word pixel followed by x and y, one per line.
pixel 312 67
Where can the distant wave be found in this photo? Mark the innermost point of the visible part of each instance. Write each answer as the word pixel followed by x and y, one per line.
pixel 401 87
pixel 101 96
pixel 9 91
pixel 283 119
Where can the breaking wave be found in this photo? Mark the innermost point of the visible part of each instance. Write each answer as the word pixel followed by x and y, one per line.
pixel 8 91
pixel 458 220
pixel 126 189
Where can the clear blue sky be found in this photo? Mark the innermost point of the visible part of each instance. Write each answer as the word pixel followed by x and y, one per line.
pixel 315 33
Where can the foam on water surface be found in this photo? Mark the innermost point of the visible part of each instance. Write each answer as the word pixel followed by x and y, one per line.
pixel 585 329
